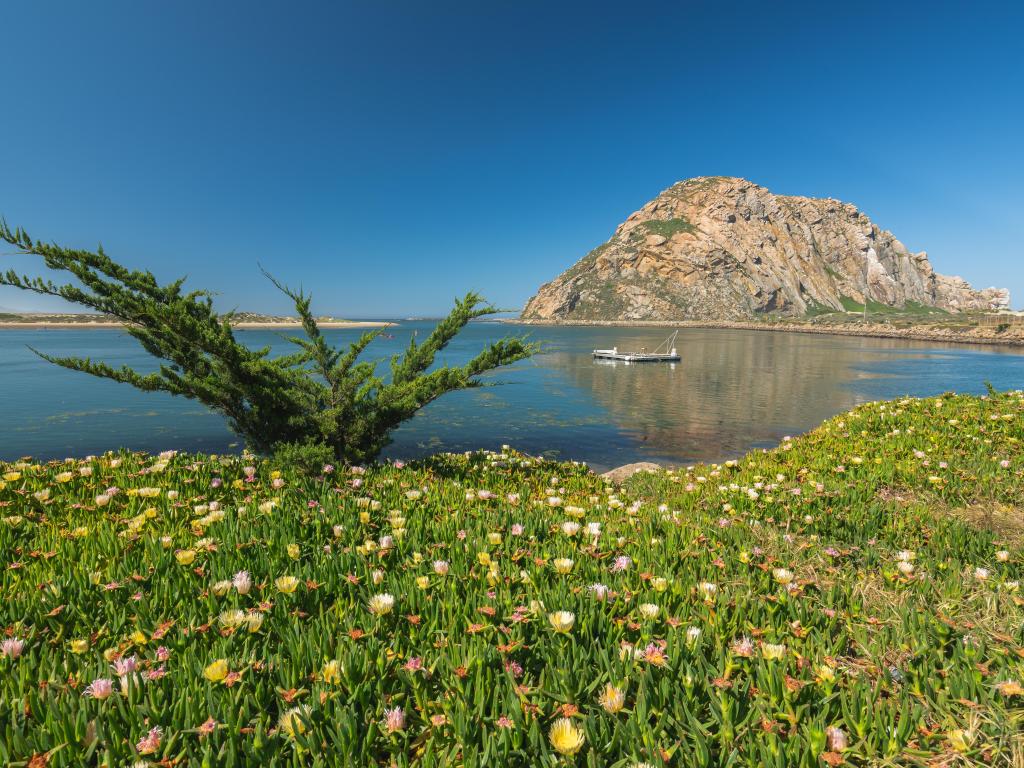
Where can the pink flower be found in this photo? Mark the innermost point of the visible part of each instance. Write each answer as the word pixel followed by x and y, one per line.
pixel 517 529
pixel 394 719
pixel 149 743
pixel 100 688
pixel 622 563
pixel 505 722
pixel 1005 464
pixel 242 581
pixel 163 653
pixel 216 482
pixel 12 647
pixel 208 727
pixel 328 468
pixel 461 535
pixel 514 668
pixel 125 666
pixel 415 664
pixel 156 674
pixel 743 647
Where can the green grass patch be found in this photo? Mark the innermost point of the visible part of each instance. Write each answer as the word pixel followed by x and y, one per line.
pixel 849 596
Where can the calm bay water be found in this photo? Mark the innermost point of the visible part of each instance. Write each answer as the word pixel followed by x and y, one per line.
pixel 733 391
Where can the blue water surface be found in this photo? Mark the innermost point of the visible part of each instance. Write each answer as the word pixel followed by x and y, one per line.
pixel 734 390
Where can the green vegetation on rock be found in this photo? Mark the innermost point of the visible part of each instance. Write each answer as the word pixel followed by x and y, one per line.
pixel 668 227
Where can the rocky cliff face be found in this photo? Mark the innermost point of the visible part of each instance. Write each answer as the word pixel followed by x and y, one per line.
pixel 726 249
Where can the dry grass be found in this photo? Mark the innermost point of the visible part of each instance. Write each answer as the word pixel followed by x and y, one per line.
pixel 1004 520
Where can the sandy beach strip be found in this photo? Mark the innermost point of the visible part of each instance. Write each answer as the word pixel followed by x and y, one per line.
pixel 57 326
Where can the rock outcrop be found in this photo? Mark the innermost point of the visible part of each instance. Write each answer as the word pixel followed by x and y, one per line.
pixel 721 248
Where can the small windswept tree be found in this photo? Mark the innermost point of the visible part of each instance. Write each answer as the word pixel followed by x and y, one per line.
pixel 318 401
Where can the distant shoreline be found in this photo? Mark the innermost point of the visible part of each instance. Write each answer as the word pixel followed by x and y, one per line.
pixel 1011 337
pixel 100 325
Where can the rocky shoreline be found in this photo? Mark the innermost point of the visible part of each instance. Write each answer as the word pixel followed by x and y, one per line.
pixel 1013 336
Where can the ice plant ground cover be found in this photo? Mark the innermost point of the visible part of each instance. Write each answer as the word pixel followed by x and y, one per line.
pixel 850 597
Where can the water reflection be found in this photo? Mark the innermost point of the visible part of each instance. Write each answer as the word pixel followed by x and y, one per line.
pixel 737 390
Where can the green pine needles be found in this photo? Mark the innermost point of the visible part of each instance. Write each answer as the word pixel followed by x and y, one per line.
pixel 320 402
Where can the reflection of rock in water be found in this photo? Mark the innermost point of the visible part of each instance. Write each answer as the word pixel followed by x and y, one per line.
pixel 732 390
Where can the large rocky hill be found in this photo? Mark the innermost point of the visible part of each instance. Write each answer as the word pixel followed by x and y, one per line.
pixel 724 248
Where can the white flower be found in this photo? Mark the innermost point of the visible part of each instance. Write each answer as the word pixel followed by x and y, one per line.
pixel 382 604
pixel 783 576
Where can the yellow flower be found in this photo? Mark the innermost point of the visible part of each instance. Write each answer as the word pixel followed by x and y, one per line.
pixel 149 493
pixel 12 477
pixel 254 621
pixel 960 740
pixel 649 610
pixel 293 551
pixel 483 558
pixel 185 556
pixel 138 637
pixel 64 477
pixel 1010 688
pixel 286 584
pixel 773 652
pixel 217 671
pixel 562 565
pixel 79 646
pixel 294 721
pixel 612 699
pixel 494 539
pixel 422 582
pixel 562 621
pixel 232 618
pixel 659 584
pixel 331 673
pixel 565 737
pixel 364 517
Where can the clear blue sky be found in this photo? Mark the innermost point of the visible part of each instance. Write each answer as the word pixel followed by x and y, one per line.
pixel 392 154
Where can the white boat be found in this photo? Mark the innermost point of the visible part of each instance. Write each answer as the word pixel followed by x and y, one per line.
pixel 664 353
